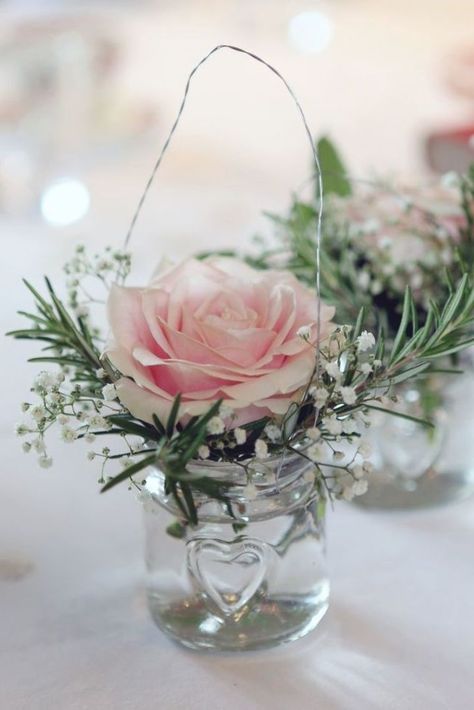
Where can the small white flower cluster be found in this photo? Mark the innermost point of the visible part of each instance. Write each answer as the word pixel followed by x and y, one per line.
pixel 344 471
pixel 67 404
pixel 113 266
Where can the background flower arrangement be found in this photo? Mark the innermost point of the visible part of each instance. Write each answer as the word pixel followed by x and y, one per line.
pixel 379 238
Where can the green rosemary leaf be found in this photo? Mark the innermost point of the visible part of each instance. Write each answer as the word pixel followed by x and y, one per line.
pixel 158 425
pixel 170 424
pixel 359 323
pixel 134 427
pixel 188 497
pixel 60 360
pixel 407 310
pixel 332 168
pixel 177 530
pixel 42 305
pixel 393 412
pixel 129 472
pixel 198 430
pixel 405 374
pixel 173 486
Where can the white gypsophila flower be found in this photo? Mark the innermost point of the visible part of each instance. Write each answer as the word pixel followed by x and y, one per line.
pixel 273 432
pixel 348 492
pixel 314 452
pixel 45 461
pixel 103 265
pixel 38 412
pixel 21 430
pixel 225 412
pixel 334 348
pixel 366 368
pixel 313 433
pixel 38 445
pixel 363 280
pixel 376 288
pixel 333 425
pixel 377 364
pixel 98 422
pixel 364 449
pixel 25 406
pixel 125 462
pixel 91 455
pixel 358 472
pixel 338 455
pixel 68 435
pixel 26 446
pixel 89 437
pixel 44 380
pixel 365 341
pixel 109 393
pixel 333 370
pixel 368 467
pixel 320 395
pixel 215 425
pixel 261 449
pixel 362 418
pixel 240 436
pixel 304 332
pixel 360 487
pixel 348 395
pixel 203 452
pixel 55 397
pixel 416 280
pixel 81 311
pixel 63 419
pixel 100 373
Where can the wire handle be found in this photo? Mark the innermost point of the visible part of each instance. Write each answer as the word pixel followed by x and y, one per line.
pixel 314 153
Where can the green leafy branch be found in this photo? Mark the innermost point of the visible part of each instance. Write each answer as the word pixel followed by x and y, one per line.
pixel 173 448
pixel 69 342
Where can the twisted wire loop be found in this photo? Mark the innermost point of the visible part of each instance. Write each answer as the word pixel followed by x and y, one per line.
pixel 314 154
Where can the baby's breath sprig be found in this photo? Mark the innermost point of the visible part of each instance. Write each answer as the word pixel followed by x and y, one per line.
pixel 85 272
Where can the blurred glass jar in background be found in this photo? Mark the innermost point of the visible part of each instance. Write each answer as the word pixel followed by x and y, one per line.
pixel 418 466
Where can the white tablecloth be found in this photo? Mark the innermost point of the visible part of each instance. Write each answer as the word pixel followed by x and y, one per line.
pixel 74 629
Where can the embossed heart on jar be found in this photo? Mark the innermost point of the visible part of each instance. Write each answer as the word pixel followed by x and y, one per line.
pixel 228 574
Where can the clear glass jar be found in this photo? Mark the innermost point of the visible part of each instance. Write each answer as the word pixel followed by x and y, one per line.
pixel 416 466
pixel 226 586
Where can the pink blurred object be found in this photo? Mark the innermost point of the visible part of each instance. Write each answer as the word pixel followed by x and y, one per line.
pixel 451 149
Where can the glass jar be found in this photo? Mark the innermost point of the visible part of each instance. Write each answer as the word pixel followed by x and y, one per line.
pixel 255 579
pixel 416 466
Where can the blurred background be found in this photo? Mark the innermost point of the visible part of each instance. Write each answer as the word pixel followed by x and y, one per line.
pixel 89 90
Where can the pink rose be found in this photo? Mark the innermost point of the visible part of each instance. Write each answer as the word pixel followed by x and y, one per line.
pixel 213 329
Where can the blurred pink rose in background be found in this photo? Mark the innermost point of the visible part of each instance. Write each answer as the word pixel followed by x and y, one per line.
pixel 214 329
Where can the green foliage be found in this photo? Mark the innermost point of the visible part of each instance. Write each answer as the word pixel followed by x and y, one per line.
pixel 334 174
pixel 70 341
pixel 172 449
